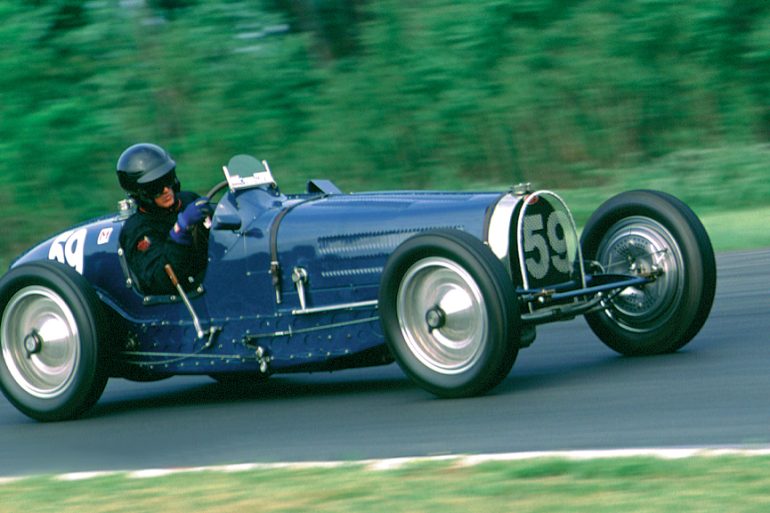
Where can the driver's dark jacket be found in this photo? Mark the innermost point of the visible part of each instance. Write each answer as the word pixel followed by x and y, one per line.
pixel 148 248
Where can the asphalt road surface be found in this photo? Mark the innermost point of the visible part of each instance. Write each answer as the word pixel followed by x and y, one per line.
pixel 566 391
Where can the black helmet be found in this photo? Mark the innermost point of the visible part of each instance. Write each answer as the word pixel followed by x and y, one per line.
pixel 144 169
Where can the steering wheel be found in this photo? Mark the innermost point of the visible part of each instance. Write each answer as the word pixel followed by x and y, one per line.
pixel 217 188
pixel 200 234
pixel 213 191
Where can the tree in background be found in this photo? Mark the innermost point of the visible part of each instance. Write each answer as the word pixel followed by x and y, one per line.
pixel 373 94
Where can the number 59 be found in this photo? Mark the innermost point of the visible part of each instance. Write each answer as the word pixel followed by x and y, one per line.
pixel 548 241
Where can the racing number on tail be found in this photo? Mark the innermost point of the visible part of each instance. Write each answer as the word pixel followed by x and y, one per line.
pixel 69 248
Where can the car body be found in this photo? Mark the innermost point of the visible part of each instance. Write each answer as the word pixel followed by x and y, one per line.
pixel 449 284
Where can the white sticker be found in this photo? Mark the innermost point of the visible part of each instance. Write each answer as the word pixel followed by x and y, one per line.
pixel 69 248
pixel 104 236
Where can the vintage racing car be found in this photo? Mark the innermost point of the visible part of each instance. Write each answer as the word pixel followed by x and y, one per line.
pixel 448 284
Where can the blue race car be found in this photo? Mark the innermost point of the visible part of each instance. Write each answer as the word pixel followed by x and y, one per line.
pixel 448 284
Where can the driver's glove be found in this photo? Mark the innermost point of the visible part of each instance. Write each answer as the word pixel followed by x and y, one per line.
pixel 193 214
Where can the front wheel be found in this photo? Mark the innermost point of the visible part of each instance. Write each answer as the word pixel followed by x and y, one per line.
pixel 447 307
pixel 650 233
pixel 52 366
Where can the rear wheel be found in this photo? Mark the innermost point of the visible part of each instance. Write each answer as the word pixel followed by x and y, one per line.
pixel 52 366
pixel 447 309
pixel 653 234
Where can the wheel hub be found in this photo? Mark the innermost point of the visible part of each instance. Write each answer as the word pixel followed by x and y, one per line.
pixel 33 343
pixel 436 318
pixel 442 315
pixel 643 247
pixel 40 341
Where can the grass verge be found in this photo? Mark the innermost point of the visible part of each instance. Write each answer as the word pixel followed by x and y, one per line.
pixel 741 229
pixel 640 484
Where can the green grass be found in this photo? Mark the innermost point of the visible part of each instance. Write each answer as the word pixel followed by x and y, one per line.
pixel 741 229
pixel 640 484
pixel 727 187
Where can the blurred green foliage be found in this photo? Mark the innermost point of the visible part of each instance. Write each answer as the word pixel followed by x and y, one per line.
pixel 381 94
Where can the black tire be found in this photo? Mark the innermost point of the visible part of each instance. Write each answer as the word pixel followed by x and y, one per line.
pixel 446 352
pixel 628 234
pixel 52 365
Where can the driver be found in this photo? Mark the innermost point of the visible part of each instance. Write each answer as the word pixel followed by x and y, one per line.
pixel 167 227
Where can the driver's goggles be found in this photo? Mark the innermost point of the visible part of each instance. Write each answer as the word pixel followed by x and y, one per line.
pixel 156 187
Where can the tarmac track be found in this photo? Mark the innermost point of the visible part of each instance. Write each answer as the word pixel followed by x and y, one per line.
pixel 566 392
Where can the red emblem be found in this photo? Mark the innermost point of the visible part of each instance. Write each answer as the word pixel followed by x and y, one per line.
pixel 532 199
pixel 144 244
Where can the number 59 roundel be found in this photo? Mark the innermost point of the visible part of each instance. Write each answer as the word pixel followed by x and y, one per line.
pixel 549 244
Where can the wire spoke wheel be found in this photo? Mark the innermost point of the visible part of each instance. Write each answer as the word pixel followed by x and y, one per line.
pixel 643 246
pixel 652 234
